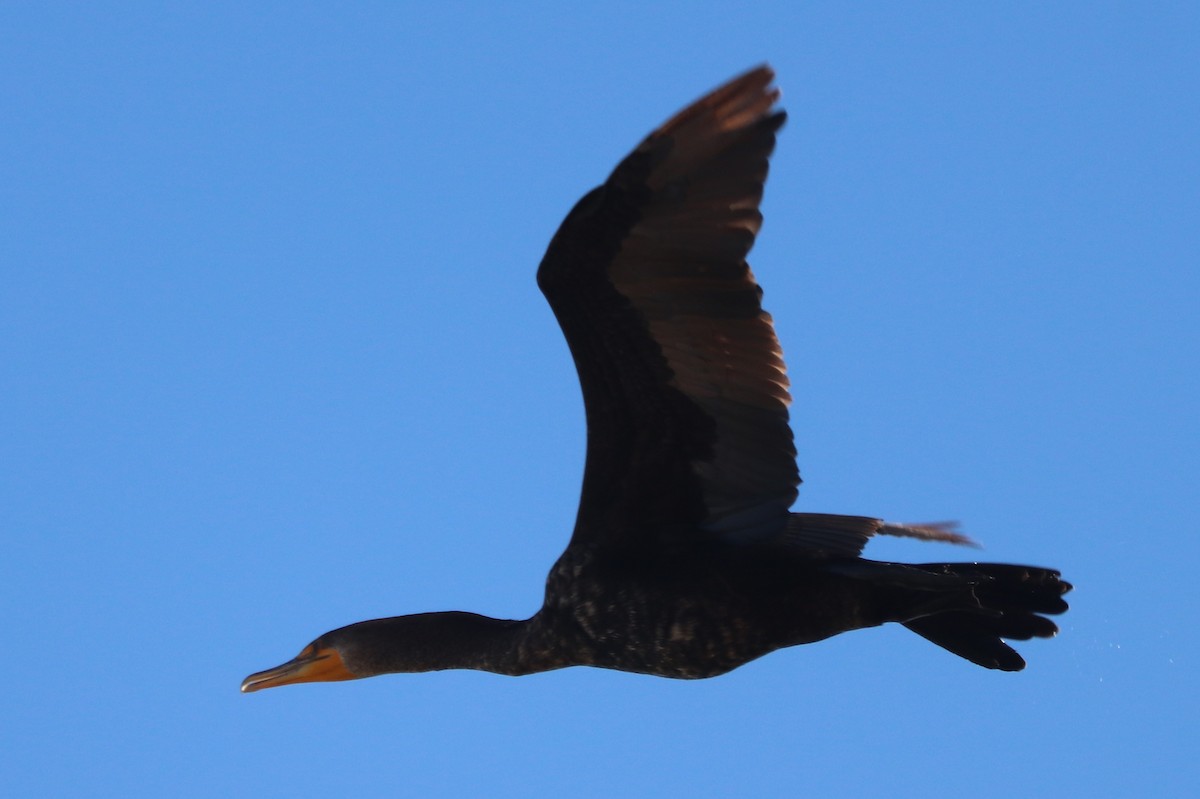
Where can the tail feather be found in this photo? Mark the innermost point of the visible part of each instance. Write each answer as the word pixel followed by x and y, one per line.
pixel 1001 602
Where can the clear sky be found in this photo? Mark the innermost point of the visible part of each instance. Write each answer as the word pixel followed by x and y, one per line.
pixel 273 360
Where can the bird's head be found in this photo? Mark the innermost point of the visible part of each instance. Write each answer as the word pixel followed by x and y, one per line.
pixel 320 661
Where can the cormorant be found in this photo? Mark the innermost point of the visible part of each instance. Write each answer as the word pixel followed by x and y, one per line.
pixel 686 560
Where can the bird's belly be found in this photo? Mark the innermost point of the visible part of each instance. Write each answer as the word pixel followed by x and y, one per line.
pixel 684 637
pixel 693 619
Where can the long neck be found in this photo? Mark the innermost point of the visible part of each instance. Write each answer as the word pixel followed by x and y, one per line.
pixel 436 641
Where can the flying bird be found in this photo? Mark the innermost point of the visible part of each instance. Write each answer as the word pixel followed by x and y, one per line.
pixel 686 560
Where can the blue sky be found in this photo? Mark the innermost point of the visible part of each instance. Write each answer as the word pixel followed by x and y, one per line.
pixel 274 361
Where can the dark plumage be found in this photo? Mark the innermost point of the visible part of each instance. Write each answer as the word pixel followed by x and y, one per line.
pixel 685 560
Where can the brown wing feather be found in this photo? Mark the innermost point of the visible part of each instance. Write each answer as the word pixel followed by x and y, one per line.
pixel 682 375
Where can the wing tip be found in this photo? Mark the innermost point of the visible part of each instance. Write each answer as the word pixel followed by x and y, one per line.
pixel 735 104
pixel 946 532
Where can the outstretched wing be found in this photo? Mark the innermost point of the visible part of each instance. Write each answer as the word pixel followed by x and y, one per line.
pixel 682 375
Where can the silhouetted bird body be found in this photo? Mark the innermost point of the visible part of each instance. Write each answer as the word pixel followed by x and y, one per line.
pixel 698 614
pixel 686 561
